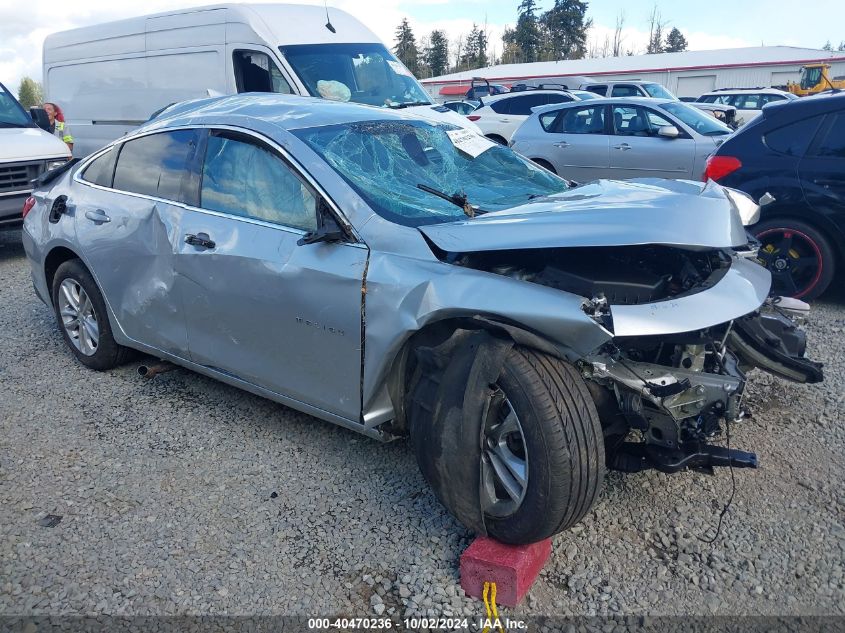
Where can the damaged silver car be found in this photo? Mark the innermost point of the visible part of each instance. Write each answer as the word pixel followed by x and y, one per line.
pixel 404 278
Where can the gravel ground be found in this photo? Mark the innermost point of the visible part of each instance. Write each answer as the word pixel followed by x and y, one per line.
pixel 185 496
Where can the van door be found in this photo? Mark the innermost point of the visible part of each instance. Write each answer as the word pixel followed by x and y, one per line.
pixel 254 68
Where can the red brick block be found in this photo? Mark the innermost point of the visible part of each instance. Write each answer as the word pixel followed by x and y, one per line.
pixel 513 568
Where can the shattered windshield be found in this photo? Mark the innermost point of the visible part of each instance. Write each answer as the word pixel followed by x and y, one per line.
pixel 361 73
pixel 394 165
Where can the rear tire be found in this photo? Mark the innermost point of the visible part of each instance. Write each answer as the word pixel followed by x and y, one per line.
pixel 82 318
pixel 545 165
pixel 798 255
pixel 559 444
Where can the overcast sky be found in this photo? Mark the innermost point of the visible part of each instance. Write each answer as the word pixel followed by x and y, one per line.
pixel 707 25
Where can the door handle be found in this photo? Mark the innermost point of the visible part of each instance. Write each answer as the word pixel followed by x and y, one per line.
pixel 200 239
pixel 98 216
pixel 562 144
pixel 624 147
pixel 504 120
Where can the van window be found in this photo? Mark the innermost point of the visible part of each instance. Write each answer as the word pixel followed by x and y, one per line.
pixel 625 90
pixel 101 169
pixel 361 73
pixel 256 72
pixel 244 178
pixel 155 165
pixel 599 89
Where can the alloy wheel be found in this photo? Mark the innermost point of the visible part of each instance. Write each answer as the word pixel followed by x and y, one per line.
pixel 78 317
pixel 793 259
pixel 504 458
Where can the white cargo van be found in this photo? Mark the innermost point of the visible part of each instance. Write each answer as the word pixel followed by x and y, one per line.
pixel 110 78
pixel 26 151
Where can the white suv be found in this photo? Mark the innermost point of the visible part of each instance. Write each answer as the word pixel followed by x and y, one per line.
pixel 748 102
pixel 499 116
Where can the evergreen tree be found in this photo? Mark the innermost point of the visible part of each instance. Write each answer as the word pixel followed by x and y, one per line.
pixel 406 47
pixel 827 46
pixel 474 53
pixel 655 32
pixel 841 46
pixel 527 35
pixel 565 30
pixel 436 56
pixel 30 93
pixel 675 41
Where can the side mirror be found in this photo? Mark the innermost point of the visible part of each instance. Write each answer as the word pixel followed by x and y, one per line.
pixel 668 131
pixel 39 115
pixel 328 229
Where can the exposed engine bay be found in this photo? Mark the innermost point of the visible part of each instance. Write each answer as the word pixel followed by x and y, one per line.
pixel 663 398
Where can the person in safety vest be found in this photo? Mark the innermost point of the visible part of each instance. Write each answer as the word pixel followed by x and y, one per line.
pixel 57 123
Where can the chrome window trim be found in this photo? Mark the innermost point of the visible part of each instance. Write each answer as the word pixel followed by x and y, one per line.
pixel 297 167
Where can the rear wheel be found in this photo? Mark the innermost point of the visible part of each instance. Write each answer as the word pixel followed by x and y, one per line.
pixel 81 315
pixel 544 164
pixel 797 255
pixel 542 452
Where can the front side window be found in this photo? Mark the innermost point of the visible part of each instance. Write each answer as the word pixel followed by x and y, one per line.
pixel 587 120
pixel 101 170
pixel 361 73
pixel 247 179
pixel 156 164
pixel 385 161
pixel 657 91
pixel 256 72
pixel 599 89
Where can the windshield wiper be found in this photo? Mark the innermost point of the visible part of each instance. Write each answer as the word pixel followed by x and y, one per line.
pixel 458 199
pixel 409 104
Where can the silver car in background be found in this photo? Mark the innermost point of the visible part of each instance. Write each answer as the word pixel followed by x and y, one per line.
pixel 407 278
pixel 620 138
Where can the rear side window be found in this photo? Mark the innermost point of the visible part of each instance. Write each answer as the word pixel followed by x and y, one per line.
pixel 793 139
pixel 833 143
pixel 586 120
pixel 748 102
pixel 101 170
pixel 561 98
pixel 156 165
pixel 502 106
pixel 522 105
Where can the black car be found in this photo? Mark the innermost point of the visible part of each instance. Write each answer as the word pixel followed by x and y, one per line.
pixel 794 151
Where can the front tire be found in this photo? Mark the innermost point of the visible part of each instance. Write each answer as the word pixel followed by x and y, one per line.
pixel 82 318
pixel 542 453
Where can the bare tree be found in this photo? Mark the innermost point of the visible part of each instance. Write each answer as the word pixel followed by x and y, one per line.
pixel 457 50
pixel 655 31
pixel 618 38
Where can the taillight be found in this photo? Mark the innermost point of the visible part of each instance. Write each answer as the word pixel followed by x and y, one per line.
pixel 718 167
pixel 27 205
pixel 473 117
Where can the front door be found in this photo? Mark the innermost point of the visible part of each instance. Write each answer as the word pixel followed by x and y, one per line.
pixel 260 307
pixel 637 151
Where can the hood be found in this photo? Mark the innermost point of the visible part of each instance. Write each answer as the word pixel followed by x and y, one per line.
pixel 30 143
pixel 604 213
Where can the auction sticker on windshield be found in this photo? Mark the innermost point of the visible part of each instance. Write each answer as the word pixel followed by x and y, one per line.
pixel 469 142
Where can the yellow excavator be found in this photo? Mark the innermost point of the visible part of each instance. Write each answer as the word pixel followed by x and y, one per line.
pixel 815 78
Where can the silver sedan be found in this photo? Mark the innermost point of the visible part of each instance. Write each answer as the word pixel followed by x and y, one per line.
pixel 620 138
pixel 406 278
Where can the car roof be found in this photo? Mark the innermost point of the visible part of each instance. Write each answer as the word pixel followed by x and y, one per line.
pixel 590 103
pixel 637 82
pixel 519 93
pixel 288 112
pixel 727 91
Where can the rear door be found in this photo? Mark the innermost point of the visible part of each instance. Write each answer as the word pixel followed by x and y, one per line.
pixel 519 108
pixel 577 143
pixel 822 169
pixel 126 226
pixel 637 151
pixel 260 307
